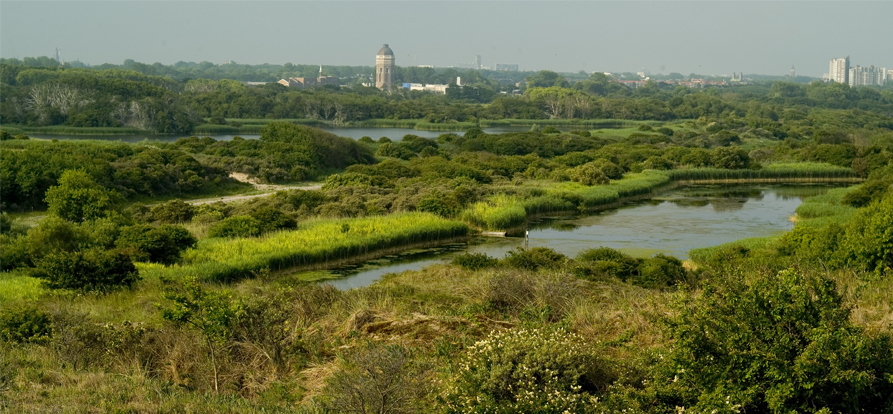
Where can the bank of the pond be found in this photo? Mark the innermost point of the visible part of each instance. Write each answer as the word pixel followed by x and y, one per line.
pixel 511 214
pixel 676 221
pixel 316 244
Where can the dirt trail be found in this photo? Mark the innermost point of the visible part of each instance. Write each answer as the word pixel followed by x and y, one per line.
pixel 266 189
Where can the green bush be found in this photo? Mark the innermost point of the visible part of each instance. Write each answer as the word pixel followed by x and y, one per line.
pixel 782 343
pixel 660 271
pixel 868 241
pixel 236 226
pixel 173 211
pixel 604 262
pixel 90 270
pixel 271 219
pixel 78 198
pixel 589 174
pixel 534 258
pixel 25 324
pixel 475 261
pixel 528 371
pixel 155 244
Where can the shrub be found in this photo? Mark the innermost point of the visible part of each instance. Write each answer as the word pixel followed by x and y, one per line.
pixel 868 241
pixel 271 219
pixel 528 371
pixel 475 261
pixel 376 379
pixel 783 343
pixel 236 226
pixel 534 258
pixel 607 262
pixel 90 270
pixel 730 158
pixel 550 130
pixel 173 211
pixel 659 271
pixel 155 244
pixel 77 198
pixel 589 174
pixel 25 324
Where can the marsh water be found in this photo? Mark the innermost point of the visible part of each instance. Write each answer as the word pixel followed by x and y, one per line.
pixel 672 223
pixel 394 134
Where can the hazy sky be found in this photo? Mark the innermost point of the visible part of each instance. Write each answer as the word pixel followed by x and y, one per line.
pixel 706 37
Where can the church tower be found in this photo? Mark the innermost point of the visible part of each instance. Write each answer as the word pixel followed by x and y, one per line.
pixel 384 68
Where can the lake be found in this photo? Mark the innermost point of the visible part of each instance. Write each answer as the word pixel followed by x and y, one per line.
pixel 672 223
pixel 395 134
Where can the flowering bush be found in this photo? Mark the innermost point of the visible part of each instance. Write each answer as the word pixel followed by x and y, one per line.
pixel 529 371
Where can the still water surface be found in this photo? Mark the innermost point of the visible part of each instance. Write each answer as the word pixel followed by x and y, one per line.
pixel 672 223
pixel 395 134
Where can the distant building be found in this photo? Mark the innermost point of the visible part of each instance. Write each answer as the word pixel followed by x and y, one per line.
pixel 304 83
pixel 477 62
pixel 441 89
pixel 793 74
pixel 384 67
pixel 840 70
pixel 506 67
pixel 861 76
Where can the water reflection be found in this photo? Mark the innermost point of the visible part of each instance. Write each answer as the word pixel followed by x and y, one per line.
pixel 673 223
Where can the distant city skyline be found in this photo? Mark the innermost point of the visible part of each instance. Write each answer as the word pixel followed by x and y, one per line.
pixel 710 38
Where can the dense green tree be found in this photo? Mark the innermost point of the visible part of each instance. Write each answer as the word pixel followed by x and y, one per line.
pixel 78 197
pixel 90 270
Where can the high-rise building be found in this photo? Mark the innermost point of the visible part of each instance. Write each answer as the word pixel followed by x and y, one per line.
pixel 793 74
pixel 384 67
pixel 862 76
pixel 840 70
pixel 477 62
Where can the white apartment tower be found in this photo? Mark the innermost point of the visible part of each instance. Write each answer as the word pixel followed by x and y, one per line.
pixel 840 70
pixel 384 68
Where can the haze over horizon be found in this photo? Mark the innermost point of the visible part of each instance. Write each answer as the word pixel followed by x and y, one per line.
pixel 711 38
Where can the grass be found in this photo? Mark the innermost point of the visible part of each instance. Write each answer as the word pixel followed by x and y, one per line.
pixel 18 286
pixel 778 172
pixel 67 130
pixel 318 243
pixel 581 123
pixel 706 254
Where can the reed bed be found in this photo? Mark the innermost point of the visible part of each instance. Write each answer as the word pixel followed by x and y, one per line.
pixel 69 130
pixel 639 183
pixel 705 254
pixel 781 172
pixel 588 123
pixel 498 212
pixel 318 243
pixel 451 126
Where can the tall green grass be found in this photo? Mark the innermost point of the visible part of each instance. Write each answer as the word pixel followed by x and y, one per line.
pixel 498 212
pixel 781 172
pixel 639 183
pixel 829 204
pixel 587 123
pixel 316 243
pixel 69 130
pixel 18 286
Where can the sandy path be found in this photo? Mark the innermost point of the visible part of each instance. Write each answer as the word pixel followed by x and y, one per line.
pixel 267 189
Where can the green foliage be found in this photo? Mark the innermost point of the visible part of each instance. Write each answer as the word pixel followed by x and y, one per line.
pixel 868 240
pixel 88 270
pixel 270 219
pixel 534 258
pixel 78 198
pixel 236 226
pixel 25 323
pixel 730 158
pixel 475 261
pixel 528 370
pixel 10 227
pixel 603 262
pixel 782 343
pixel 155 244
pixel 497 213
pixel 316 242
pixel 589 174
pixel 173 211
pixel 659 272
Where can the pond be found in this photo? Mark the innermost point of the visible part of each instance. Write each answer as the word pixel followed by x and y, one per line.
pixel 395 134
pixel 672 223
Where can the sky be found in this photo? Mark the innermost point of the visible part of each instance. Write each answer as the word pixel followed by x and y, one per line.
pixel 704 37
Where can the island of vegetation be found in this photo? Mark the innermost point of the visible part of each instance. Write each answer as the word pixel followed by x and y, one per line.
pixel 126 287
